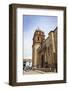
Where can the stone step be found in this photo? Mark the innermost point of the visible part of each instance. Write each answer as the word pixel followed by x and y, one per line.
pixel 46 69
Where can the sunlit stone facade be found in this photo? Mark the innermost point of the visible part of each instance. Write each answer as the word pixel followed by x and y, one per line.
pixel 44 51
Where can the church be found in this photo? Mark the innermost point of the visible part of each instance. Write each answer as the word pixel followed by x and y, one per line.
pixel 44 51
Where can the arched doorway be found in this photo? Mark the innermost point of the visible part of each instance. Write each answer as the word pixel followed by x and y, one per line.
pixel 42 61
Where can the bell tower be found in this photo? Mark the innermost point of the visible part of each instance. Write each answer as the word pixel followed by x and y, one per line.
pixel 38 39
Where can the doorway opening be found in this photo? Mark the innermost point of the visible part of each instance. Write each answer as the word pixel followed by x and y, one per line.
pixel 42 61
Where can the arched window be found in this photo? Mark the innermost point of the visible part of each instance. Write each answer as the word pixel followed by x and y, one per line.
pixel 38 38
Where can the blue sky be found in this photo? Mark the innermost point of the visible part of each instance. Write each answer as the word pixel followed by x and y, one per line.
pixel 31 23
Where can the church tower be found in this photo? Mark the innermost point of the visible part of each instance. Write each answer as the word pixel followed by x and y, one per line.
pixel 38 39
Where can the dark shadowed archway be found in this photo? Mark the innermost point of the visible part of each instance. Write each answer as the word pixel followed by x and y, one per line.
pixel 42 61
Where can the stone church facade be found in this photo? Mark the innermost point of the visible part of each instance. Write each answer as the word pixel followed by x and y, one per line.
pixel 44 51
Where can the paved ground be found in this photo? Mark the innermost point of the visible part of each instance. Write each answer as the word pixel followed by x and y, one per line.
pixel 35 72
